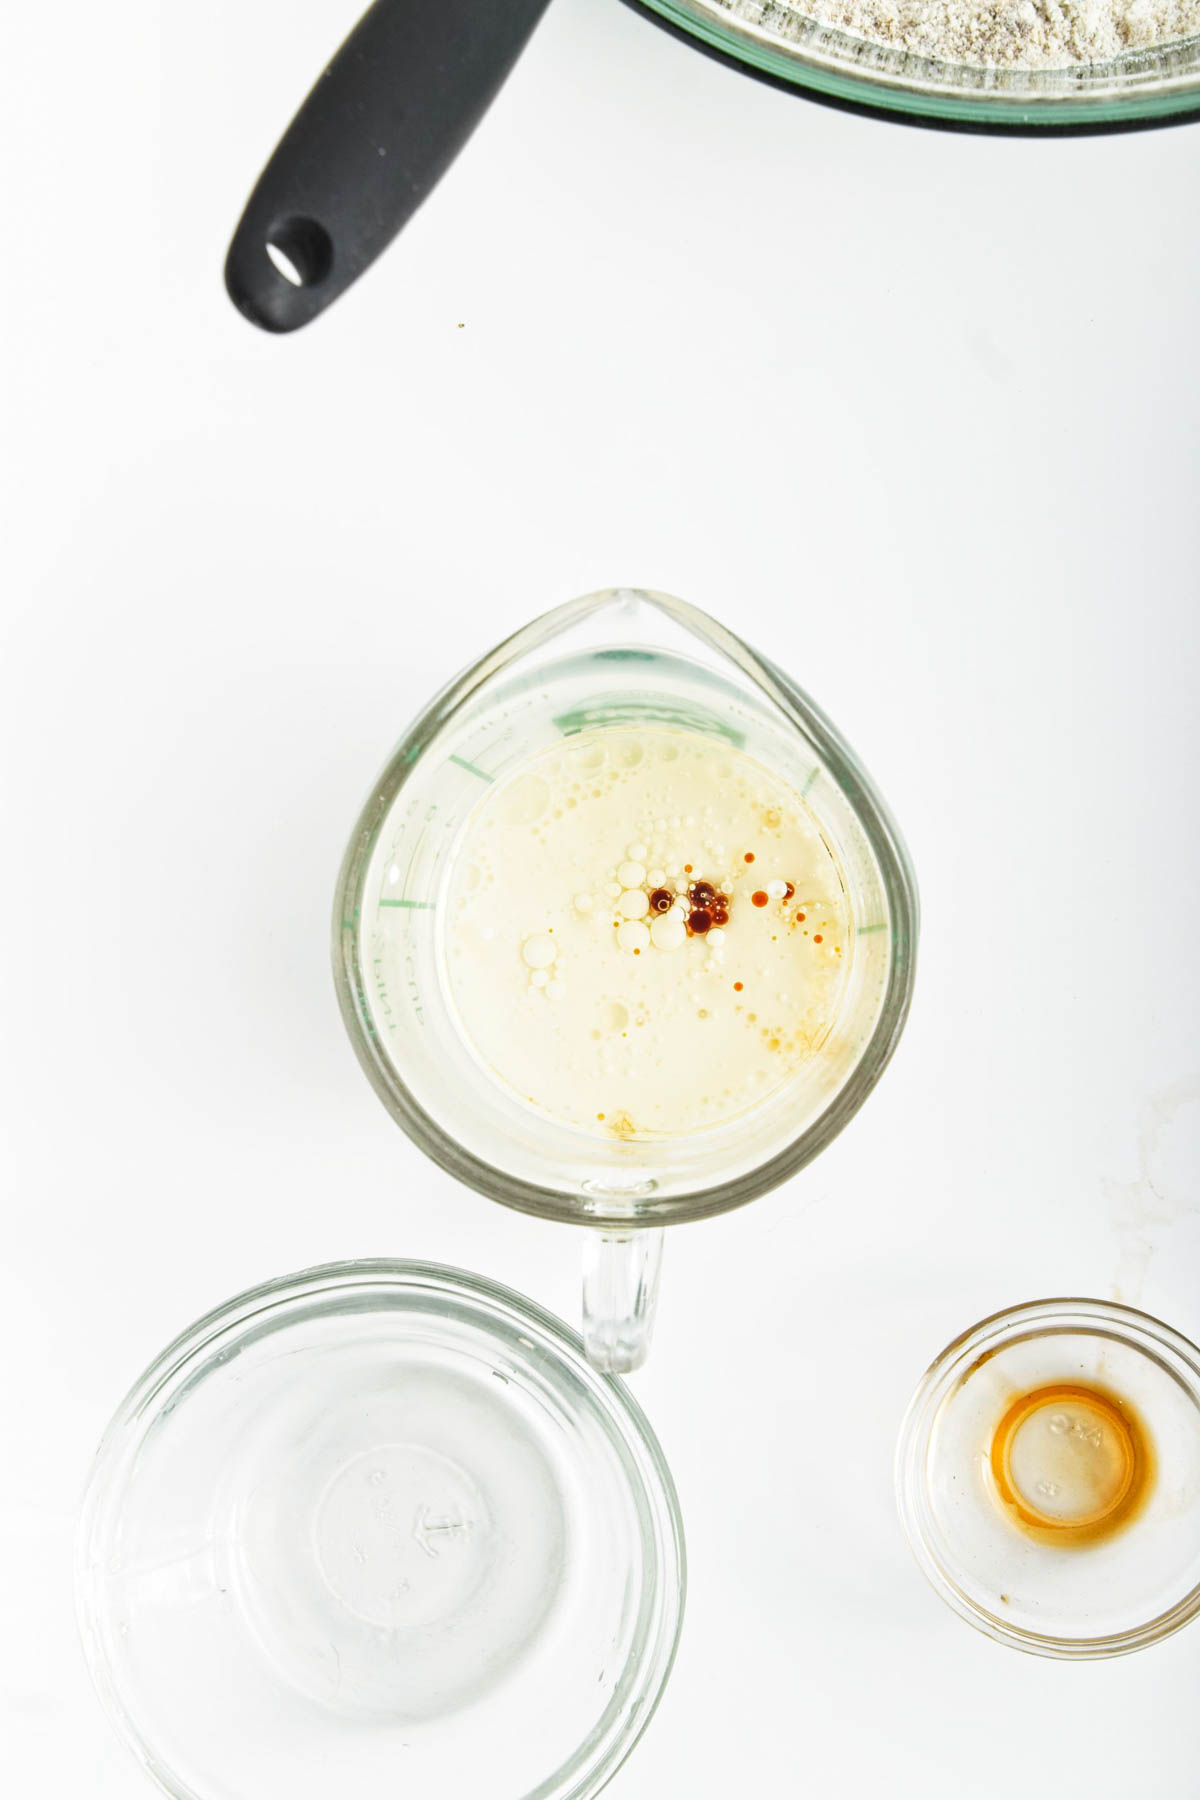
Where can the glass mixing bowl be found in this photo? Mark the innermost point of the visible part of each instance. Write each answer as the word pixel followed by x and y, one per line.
pixel 776 39
pixel 380 1528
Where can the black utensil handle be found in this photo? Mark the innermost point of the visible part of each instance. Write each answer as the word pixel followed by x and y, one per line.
pixel 380 128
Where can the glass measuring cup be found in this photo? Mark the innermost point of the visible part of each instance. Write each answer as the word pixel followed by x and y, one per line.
pixel 613 660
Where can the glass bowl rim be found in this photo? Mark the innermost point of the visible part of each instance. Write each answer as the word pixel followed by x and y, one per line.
pixel 1140 1331
pixel 624 1423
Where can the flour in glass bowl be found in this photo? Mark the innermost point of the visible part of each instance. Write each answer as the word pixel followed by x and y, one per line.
pixel 1010 34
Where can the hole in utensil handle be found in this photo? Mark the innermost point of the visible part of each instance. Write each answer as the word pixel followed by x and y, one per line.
pixel 301 251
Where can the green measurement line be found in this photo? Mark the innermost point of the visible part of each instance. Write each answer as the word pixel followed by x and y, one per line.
pixel 863 929
pixel 809 784
pixel 470 768
pixel 424 905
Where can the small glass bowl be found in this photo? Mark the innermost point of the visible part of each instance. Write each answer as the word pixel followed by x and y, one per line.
pixel 380 1525
pixel 1008 1551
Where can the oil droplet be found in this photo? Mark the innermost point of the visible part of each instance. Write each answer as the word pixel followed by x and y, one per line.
pixel 538 952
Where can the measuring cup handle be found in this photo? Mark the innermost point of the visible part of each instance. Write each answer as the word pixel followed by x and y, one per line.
pixel 620 1295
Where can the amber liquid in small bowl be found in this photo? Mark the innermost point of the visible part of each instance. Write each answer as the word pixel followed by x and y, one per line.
pixel 1071 1465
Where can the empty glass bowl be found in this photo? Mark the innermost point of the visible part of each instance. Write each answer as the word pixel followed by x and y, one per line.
pixel 1048 1478
pixel 380 1527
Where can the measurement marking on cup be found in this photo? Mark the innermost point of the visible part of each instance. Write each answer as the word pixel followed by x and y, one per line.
pixel 809 784
pixel 863 929
pixel 471 768
pixel 415 905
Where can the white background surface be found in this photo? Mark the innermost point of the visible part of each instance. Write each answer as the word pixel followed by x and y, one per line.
pixel 917 414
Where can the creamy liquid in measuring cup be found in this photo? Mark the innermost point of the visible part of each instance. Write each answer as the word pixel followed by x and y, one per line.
pixel 645 932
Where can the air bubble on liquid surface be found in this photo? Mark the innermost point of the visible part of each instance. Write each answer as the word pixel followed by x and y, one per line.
pixel 526 801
